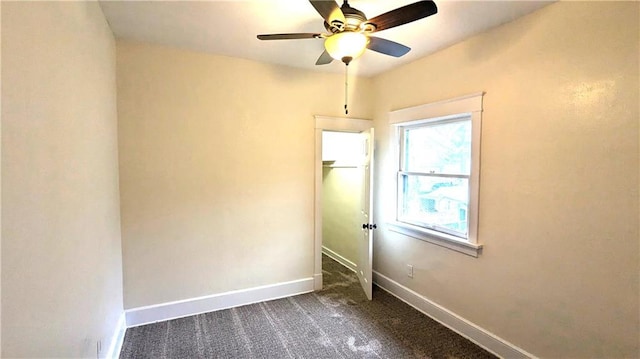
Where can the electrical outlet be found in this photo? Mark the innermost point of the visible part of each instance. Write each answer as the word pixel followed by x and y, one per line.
pixel 409 271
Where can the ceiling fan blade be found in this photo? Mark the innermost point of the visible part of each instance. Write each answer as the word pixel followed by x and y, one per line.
pixel 404 15
pixel 329 10
pixel 324 59
pixel 387 47
pixel 294 36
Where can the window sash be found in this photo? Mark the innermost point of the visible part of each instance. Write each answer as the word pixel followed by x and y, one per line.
pixel 403 129
pixel 403 217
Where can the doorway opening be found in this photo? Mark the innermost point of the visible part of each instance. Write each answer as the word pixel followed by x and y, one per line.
pixel 343 232
pixel 342 191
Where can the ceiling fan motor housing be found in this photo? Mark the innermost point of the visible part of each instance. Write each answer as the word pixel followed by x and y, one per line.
pixel 355 21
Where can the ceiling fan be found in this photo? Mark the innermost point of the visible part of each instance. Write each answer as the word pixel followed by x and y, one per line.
pixel 350 30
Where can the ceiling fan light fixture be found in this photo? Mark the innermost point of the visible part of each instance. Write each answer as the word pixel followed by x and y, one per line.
pixel 346 45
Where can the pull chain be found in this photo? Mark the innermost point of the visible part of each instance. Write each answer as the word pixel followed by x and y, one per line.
pixel 346 88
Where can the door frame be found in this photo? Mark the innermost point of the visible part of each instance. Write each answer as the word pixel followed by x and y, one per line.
pixel 327 123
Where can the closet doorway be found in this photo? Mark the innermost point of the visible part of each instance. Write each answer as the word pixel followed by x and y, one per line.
pixel 343 196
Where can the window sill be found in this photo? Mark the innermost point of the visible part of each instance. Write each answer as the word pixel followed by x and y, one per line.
pixel 438 238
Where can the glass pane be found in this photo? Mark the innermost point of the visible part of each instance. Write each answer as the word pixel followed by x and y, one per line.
pixel 439 148
pixel 435 202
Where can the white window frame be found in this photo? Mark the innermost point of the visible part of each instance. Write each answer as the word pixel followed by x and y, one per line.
pixel 464 106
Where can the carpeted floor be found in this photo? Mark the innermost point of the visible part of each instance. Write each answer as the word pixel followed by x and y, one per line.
pixel 337 322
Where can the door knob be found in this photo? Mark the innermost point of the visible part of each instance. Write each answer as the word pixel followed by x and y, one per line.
pixel 365 226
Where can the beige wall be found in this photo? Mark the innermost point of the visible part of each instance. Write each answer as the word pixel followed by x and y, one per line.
pixel 341 218
pixel 559 275
pixel 216 170
pixel 61 254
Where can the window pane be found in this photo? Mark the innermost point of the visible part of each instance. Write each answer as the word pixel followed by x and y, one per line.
pixel 439 148
pixel 435 202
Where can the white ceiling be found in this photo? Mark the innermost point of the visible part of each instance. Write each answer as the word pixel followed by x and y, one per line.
pixel 230 28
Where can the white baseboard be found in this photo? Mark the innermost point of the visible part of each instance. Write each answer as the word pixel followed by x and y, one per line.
pixel 467 329
pixel 340 259
pixel 193 306
pixel 117 339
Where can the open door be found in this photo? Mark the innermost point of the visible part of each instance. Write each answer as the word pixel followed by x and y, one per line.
pixel 365 244
pixel 364 247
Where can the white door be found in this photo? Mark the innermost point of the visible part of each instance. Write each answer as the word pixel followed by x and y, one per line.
pixel 365 243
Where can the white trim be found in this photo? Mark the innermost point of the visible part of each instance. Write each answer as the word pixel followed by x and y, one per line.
pixel 330 124
pixel 438 238
pixel 117 339
pixel 340 259
pixel 342 124
pixel 451 320
pixel 236 298
pixel 317 281
pixel 317 210
pixel 474 179
pixel 462 104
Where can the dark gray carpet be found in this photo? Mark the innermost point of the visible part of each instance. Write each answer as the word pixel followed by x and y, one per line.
pixel 337 322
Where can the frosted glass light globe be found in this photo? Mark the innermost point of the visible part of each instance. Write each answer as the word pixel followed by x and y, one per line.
pixel 346 46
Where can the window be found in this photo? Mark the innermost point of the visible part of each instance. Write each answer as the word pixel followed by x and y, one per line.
pixel 433 178
pixel 438 152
